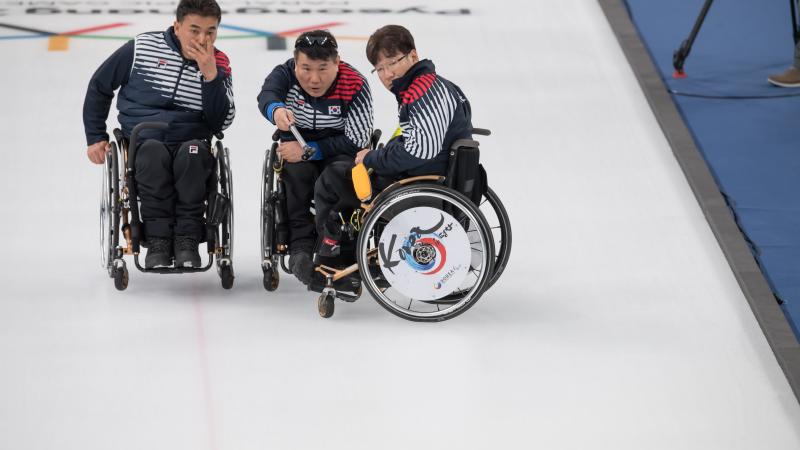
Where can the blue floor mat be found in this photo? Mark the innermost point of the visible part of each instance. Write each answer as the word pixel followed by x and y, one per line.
pixel 748 130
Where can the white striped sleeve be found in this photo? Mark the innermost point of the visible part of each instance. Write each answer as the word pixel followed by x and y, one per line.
pixel 428 120
pixel 359 120
pixel 231 107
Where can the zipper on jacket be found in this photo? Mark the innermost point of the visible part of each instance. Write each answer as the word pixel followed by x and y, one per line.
pixel 314 117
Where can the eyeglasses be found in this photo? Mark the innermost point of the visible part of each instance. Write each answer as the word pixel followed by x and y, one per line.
pixel 310 41
pixel 388 65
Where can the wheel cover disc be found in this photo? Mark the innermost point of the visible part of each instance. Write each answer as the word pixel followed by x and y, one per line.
pixel 424 253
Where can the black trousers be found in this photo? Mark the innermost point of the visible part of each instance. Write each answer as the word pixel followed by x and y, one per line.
pixel 172 184
pixel 299 180
pixel 334 192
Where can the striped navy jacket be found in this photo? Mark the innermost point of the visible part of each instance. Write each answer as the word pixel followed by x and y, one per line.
pixel 157 84
pixel 433 113
pixel 337 123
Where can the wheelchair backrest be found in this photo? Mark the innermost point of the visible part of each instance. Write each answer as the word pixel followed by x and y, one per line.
pixel 464 172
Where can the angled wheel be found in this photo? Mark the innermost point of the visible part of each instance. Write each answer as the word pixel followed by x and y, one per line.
pixel 120 276
pixel 226 189
pixel 271 278
pixel 325 304
pixel 497 218
pixel 268 214
pixel 226 276
pixel 109 209
pixel 428 251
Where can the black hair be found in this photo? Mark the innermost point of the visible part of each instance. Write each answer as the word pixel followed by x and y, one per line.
pixel 202 8
pixel 389 40
pixel 318 45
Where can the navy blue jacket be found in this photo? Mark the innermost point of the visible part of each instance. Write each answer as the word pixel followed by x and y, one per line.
pixel 433 114
pixel 157 84
pixel 337 123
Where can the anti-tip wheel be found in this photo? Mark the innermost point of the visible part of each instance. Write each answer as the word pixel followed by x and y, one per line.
pixel 226 276
pixel 325 305
pixel 271 279
pixel 121 278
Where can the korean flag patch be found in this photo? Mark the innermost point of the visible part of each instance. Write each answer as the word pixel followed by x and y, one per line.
pixel 334 110
pixel 193 149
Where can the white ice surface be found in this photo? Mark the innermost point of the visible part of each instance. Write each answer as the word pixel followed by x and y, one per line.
pixel 617 325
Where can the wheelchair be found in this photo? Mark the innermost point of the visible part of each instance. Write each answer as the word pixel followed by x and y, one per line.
pixel 427 247
pixel 121 231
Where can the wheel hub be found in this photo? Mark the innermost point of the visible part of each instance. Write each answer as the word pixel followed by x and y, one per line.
pixel 424 253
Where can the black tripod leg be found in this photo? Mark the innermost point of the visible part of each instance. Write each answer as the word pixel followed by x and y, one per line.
pixel 680 55
pixel 795 30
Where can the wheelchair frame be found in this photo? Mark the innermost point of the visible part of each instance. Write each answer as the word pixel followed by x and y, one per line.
pixel 120 224
pixel 274 233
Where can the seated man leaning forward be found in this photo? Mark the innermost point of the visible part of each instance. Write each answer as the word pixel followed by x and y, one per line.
pixel 330 103
pixel 178 77
pixel 433 113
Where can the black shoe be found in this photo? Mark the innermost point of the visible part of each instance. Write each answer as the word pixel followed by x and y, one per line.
pixel 329 248
pixel 159 253
pixel 332 235
pixel 301 266
pixel 186 253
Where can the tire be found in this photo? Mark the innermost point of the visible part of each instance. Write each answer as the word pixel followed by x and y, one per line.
pixel 267 207
pixel 226 276
pixel 109 209
pixel 121 278
pixel 325 305
pixel 450 248
pixel 497 217
pixel 271 278
pixel 226 189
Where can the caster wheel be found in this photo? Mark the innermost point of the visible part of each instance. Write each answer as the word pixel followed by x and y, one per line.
pixel 325 305
pixel 357 291
pixel 271 279
pixel 121 278
pixel 226 276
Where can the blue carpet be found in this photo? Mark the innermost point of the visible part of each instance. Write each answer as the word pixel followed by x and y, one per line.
pixel 752 145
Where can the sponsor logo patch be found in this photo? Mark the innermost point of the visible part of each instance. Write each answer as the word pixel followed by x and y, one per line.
pixel 162 63
pixel 193 149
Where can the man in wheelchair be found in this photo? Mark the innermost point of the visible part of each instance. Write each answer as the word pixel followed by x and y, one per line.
pixel 175 76
pixel 330 104
pixel 433 114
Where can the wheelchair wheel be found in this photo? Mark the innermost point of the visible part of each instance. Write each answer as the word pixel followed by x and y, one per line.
pixel 109 209
pixel 120 276
pixel 272 278
pixel 425 253
pixel 226 227
pixel 496 216
pixel 226 185
pixel 268 262
pixel 325 304
pixel 226 276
